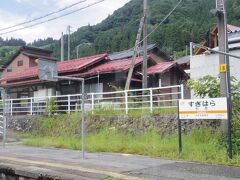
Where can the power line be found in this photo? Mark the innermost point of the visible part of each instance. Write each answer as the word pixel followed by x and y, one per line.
pixel 44 16
pixel 63 15
pixel 165 18
pixel 169 14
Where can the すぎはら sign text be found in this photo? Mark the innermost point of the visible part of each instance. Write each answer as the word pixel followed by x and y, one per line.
pixel 212 108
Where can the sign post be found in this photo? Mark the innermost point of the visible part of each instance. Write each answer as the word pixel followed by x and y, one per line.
pixel 47 70
pixel 196 109
pixel 179 132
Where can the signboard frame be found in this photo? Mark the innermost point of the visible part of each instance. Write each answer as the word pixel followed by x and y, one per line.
pixel 210 108
pixel 225 111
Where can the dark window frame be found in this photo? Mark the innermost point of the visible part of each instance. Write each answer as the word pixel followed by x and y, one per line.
pixel 9 70
pixel 20 63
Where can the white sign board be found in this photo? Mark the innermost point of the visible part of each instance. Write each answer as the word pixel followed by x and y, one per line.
pixel 212 108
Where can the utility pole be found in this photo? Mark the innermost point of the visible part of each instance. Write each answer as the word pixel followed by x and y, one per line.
pixel 78 50
pixel 130 72
pixel 186 50
pixel 225 82
pixel 69 33
pixel 145 58
pixel 62 48
pixel 223 42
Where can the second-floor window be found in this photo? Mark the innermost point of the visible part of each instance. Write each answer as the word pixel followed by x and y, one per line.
pixel 20 63
pixel 9 70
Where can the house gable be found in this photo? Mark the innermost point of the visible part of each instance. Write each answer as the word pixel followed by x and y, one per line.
pixel 19 63
pixel 25 58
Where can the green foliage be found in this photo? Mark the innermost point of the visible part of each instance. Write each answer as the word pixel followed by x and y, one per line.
pixel 42 42
pixel 206 86
pixel 210 86
pixel 200 145
pixel 51 105
pixel 6 52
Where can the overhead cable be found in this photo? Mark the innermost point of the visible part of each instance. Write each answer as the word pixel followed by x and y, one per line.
pixel 51 19
pixel 43 16
pixel 165 18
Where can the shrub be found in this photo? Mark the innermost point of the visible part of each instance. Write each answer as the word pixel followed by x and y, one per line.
pixel 51 105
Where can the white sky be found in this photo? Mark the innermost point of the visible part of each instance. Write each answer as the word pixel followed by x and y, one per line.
pixel 29 9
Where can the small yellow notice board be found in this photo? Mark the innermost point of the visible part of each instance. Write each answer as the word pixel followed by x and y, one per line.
pixel 212 108
pixel 222 68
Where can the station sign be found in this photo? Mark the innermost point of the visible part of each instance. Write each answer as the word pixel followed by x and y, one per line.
pixel 212 108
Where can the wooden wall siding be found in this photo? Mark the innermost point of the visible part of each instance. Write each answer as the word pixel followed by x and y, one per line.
pixel 14 64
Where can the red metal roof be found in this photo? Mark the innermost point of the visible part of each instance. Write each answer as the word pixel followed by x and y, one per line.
pixel 111 66
pixel 66 66
pixel 78 64
pixel 28 73
pixel 106 67
pixel 161 67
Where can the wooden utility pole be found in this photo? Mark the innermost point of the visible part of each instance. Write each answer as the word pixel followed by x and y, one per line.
pixel 145 58
pixel 69 33
pixel 62 47
pixel 130 72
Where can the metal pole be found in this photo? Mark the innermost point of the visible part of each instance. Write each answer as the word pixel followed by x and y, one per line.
pixel 229 105
pixel 62 48
pixel 98 82
pixel 69 104
pixel 182 91
pixel 222 44
pixel 225 82
pixel 145 59
pixel 191 49
pixel 126 101
pixel 151 100
pixel 69 31
pixel 215 51
pixel 229 90
pixel 31 106
pixel 77 47
pixel 11 107
pixel 179 132
pixel 83 119
pixel 92 102
pixel 83 107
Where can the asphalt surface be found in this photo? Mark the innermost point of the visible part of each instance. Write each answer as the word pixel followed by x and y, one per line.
pixel 68 164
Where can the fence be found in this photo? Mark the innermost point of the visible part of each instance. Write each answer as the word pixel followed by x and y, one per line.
pixel 151 98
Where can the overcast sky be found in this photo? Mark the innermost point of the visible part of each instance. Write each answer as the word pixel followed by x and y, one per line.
pixel 17 11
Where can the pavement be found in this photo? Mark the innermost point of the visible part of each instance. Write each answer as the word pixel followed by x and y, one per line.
pixel 40 163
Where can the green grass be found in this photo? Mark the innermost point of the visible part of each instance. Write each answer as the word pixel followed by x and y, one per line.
pixel 135 112
pixel 201 145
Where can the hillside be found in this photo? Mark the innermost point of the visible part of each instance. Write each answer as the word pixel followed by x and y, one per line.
pixel 189 22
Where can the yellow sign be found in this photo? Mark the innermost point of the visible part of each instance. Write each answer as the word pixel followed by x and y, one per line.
pixel 222 68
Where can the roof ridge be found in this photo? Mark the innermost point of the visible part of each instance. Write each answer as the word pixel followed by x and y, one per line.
pixel 86 57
